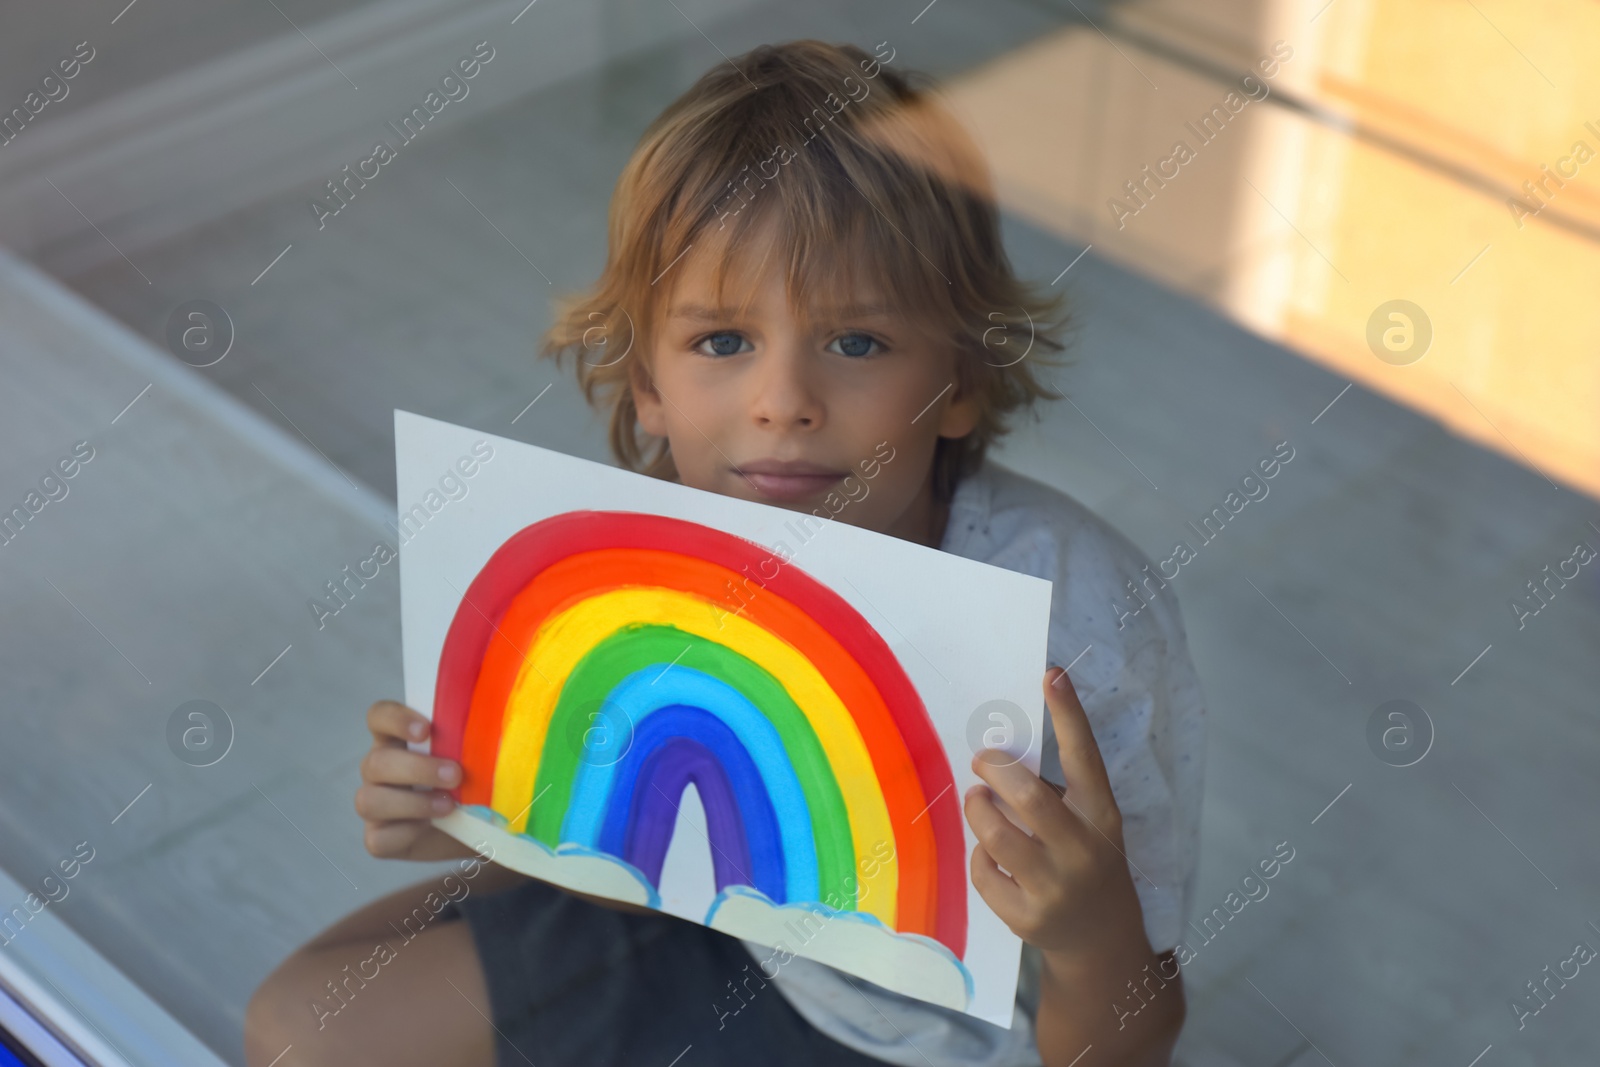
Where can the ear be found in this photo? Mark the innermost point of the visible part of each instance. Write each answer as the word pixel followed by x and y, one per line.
pixel 646 400
pixel 960 416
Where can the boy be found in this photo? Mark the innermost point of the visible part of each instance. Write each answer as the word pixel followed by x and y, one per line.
pixel 875 327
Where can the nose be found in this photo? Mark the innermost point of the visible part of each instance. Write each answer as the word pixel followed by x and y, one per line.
pixel 786 390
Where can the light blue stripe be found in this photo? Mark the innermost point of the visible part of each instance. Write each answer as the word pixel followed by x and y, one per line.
pixel 652 688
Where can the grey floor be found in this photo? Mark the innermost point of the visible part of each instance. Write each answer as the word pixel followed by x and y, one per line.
pixel 1382 562
pixel 129 53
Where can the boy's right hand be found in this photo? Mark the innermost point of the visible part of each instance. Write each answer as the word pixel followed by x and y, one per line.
pixel 398 817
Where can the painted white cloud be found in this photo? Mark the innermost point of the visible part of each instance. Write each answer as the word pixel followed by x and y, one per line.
pixel 572 866
pixel 855 942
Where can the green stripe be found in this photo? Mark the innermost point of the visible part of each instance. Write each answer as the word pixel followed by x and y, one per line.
pixel 640 645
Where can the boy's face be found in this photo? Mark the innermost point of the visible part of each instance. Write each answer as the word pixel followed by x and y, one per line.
pixel 857 396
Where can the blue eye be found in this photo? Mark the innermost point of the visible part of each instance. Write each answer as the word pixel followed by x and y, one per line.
pixel 855 344
pixel 722 344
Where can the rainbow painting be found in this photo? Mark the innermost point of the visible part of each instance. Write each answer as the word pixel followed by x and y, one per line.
pixel 601 662
pixel 658 699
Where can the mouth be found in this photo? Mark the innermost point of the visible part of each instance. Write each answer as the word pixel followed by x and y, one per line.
pixel 788 480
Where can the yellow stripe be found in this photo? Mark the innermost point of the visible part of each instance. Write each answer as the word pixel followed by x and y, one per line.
pixel 566 637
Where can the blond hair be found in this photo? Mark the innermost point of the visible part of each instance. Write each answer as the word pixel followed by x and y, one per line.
pixel 868 177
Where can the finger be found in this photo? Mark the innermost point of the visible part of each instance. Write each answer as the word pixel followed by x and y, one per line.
pixel 1088 785
pixel 1035 802
pixel 400 766
pixel 998 890
pixel 390 720
pixel 384 803
pixel 1014 850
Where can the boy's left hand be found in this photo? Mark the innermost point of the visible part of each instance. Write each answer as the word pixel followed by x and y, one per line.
pixel 1068 890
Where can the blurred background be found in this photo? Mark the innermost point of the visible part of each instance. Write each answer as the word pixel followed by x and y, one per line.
pixel 1384 250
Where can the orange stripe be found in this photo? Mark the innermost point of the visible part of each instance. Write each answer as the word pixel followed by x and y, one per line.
pixel 584 574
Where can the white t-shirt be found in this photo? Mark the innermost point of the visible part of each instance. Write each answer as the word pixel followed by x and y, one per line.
pixel 1143 701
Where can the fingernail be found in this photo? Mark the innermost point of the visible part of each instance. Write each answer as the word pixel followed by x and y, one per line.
pixel 447 773
pixel 1057 679
pixel 417 730
pixel 441 802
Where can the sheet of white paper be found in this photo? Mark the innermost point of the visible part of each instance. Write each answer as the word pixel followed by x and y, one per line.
pixel 966 635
